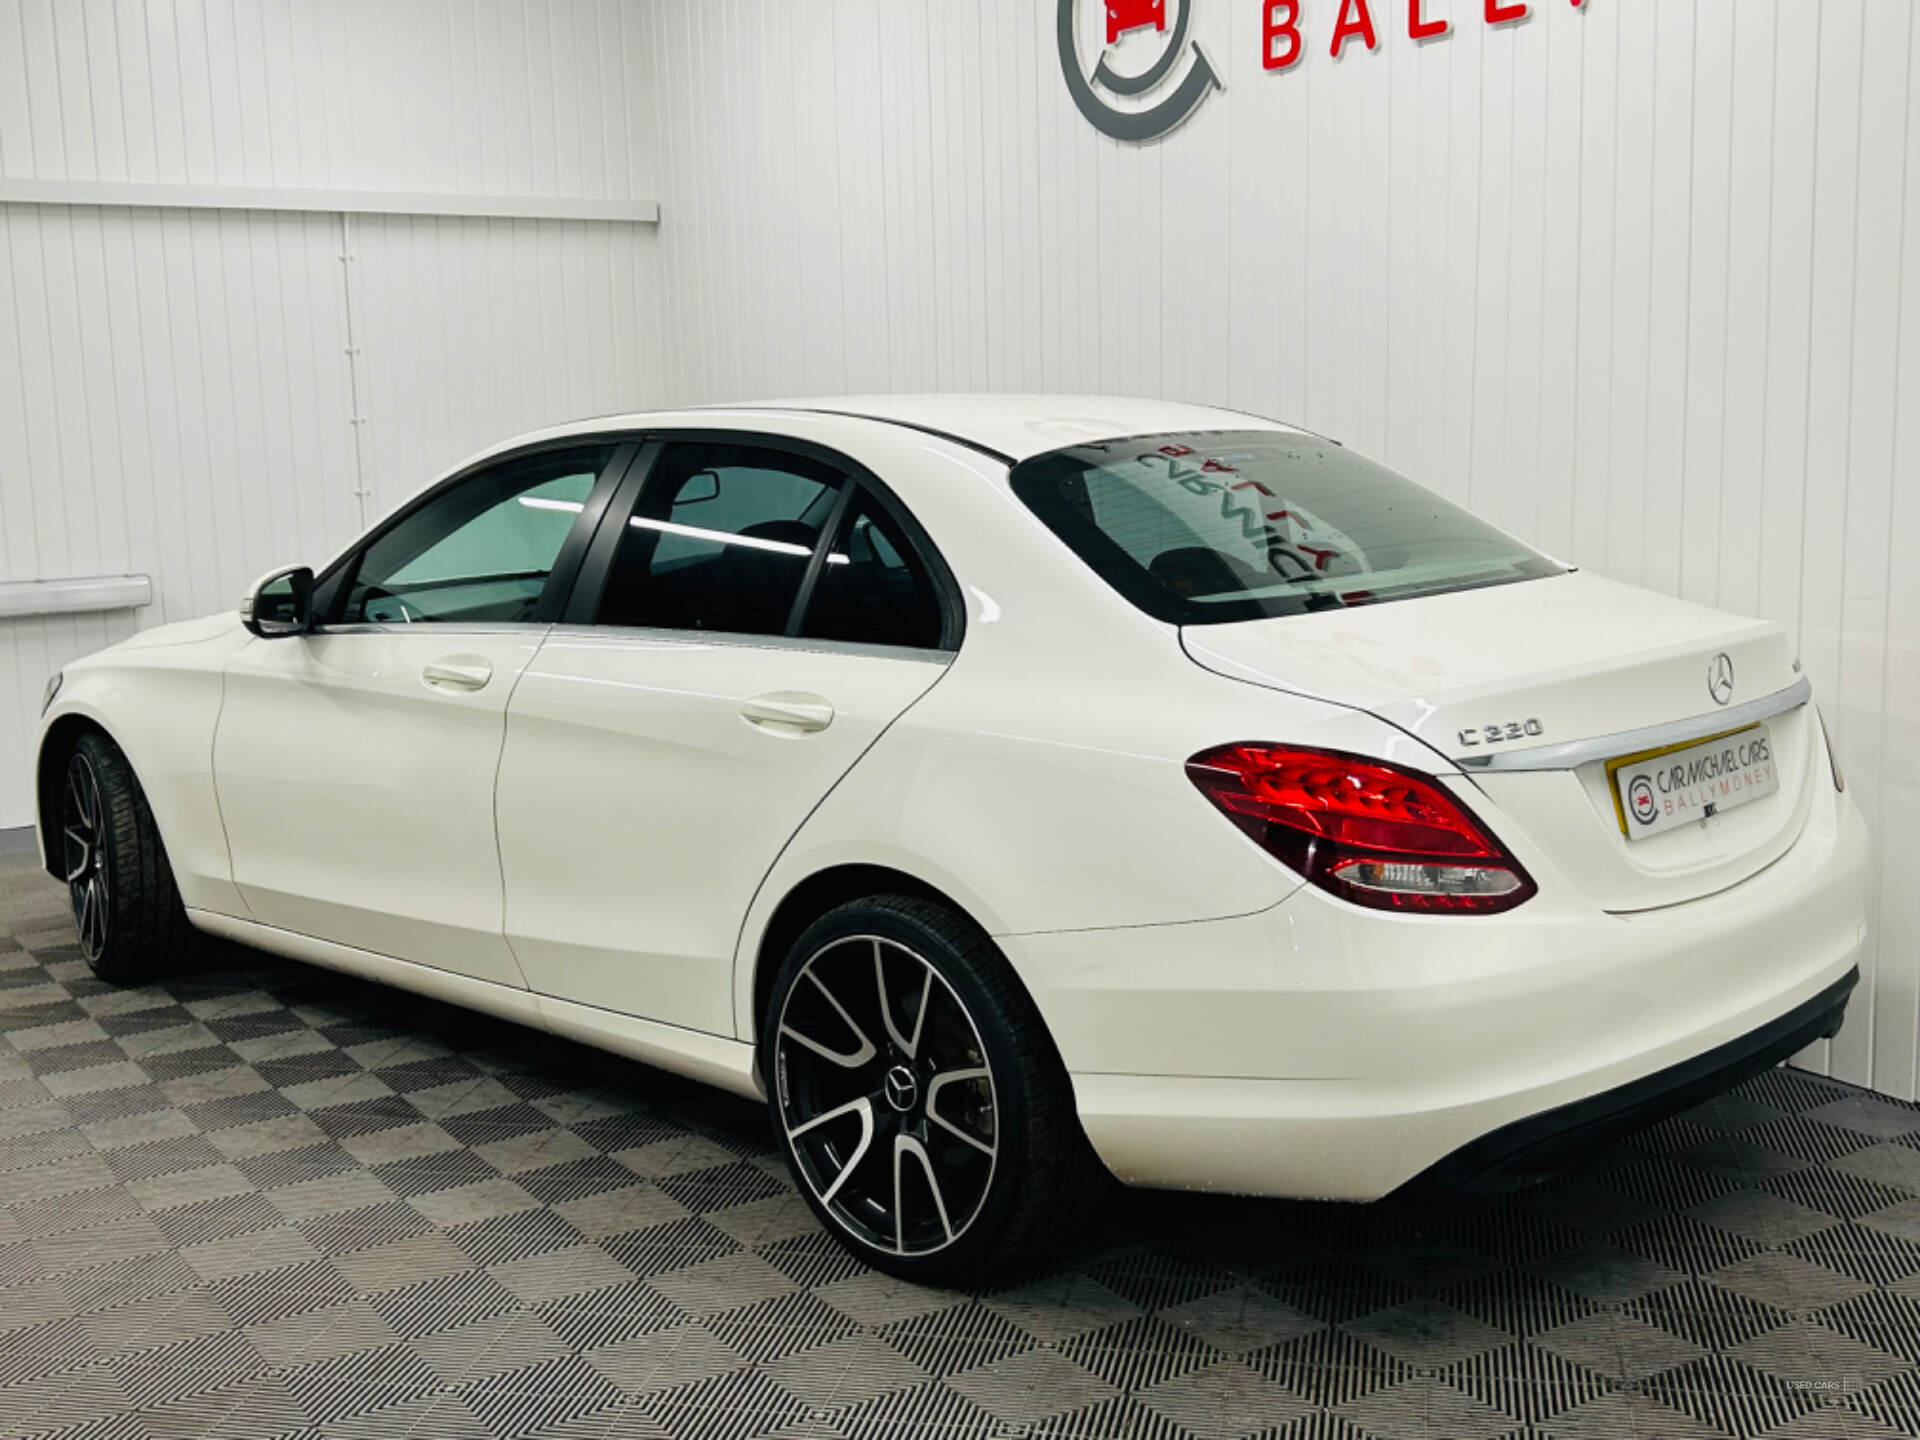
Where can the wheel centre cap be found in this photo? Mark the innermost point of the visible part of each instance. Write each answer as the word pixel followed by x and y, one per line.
pixel 902 1088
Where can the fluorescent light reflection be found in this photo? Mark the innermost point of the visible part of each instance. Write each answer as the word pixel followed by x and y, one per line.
pixel 727 537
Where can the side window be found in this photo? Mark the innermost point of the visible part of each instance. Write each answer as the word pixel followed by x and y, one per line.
pixel 480 551
pixel 720 539
pixel 873 587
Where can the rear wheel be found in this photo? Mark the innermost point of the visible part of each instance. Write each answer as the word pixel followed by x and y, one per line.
pixel 917 1095
pixel 125 904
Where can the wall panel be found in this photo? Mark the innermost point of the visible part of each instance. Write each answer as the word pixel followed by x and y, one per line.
pixel 1636 280
pixel 489 328
pixel 172 406
pixel 174 393
pixel 1639 280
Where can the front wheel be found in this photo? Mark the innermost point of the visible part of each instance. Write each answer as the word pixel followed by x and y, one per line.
pixel 919 1100
pixel 125 905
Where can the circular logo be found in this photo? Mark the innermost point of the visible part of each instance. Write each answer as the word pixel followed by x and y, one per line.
pixel 1152 102
pixel 1640 800
pixel 902 1088
pixel 1720 678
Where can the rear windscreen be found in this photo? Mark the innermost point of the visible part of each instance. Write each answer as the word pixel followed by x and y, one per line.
pixel 1207 527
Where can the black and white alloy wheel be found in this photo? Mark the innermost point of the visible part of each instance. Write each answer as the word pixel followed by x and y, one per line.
pixel 84 856
pixel 918 1097
pixel 885 1095
pixel 125 904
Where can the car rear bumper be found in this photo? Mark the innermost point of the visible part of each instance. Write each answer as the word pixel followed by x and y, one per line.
pixel 1529 1149
pixel 1317 1050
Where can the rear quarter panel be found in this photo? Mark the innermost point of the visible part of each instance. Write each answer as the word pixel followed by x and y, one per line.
pixel 1041 784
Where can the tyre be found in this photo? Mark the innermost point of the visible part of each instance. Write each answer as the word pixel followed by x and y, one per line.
pixel 125 904
pixel 917 1095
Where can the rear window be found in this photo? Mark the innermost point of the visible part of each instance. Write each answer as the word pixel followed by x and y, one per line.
pixel 1204 528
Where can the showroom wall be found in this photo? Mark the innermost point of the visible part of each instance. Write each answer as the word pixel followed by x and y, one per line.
pixel 1640 281
pixel 176 399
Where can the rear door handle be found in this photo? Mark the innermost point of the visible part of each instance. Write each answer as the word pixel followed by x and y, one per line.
pixel 789 712
pixel 457 673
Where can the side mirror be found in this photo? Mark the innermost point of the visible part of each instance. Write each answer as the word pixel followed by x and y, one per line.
pixel 280 603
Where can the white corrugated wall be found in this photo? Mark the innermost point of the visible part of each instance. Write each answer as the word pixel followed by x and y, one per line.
pixel 174 388
pixel 1639 281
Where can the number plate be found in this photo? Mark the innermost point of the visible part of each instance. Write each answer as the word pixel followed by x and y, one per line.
pixel 1659 789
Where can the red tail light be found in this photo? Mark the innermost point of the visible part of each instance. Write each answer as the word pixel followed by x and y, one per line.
pixel 1370 832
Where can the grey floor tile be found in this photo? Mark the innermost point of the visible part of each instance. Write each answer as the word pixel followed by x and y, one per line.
pixel 274 1201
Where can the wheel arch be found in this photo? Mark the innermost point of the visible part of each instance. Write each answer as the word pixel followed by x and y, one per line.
pixel 49 765
pixel 813 896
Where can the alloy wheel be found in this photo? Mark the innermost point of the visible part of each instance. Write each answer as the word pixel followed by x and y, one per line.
pixel 886 1095
pixel 83 824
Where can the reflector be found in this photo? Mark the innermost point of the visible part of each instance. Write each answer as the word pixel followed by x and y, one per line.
pixel 1833 760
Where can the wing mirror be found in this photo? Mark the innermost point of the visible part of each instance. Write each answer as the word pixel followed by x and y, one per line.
pixel 280 603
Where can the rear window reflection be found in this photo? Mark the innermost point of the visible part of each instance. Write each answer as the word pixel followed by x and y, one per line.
pixel 1208 527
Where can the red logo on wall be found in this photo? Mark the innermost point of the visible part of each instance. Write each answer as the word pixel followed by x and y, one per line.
pixel 1282 23
pixel 1143 104
pixel 1125 15
pixel 1136 104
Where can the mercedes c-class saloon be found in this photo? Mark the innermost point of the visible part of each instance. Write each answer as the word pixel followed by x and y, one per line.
pixel 1013 792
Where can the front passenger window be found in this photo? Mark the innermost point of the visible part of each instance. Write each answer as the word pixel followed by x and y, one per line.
pixel 480 551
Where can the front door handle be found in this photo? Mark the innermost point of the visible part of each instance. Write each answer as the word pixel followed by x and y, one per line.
pixel 458 672
pixel 789 712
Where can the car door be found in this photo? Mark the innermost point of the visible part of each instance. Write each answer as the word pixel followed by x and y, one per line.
pixel 355 764
pixel 752 618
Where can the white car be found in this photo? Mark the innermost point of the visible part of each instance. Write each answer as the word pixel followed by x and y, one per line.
pixel 1012 790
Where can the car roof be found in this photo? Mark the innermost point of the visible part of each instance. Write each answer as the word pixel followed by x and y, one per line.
pixel 1010 427
pixel 1020 426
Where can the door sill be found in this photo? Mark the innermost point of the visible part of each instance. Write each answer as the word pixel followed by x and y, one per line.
pixel 711 1059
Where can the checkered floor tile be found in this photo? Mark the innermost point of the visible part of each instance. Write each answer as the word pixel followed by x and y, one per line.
pixel 267 1200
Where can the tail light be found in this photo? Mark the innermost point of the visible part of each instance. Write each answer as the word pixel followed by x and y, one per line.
pixel 1370 832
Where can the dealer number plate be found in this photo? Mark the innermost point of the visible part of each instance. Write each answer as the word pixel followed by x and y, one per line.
pixel 1660 789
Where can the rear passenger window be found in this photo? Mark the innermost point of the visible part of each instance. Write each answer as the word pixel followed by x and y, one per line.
pixel 720 539
pixel 873 588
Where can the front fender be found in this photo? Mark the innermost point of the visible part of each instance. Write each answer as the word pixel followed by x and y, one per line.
pixel 160 704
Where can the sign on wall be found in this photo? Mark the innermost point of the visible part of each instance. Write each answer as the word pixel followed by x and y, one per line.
pixel 1149 76
pixel 1106 96
pixel 1284 24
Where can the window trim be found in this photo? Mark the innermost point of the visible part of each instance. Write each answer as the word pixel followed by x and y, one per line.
pixel 816 562
pixel 583 604
pixel 330 587
pixel 648 636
